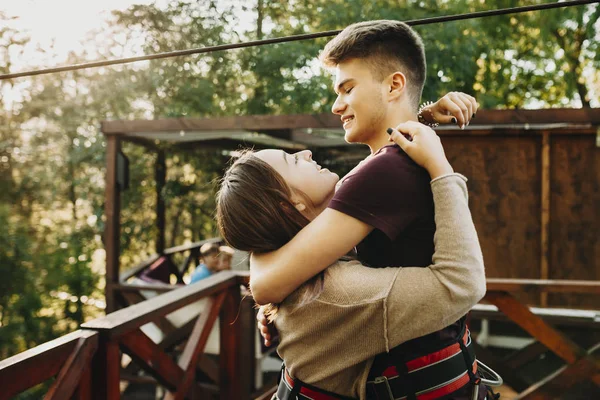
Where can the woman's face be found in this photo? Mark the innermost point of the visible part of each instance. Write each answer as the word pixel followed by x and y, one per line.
pixel 302 173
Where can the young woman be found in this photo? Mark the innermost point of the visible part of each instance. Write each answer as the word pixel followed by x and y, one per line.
pixel 332 327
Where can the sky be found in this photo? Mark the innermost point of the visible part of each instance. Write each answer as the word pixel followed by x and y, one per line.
pixel 64 22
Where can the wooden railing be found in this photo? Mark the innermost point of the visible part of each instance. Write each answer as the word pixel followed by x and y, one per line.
pixel 193 250
pixel 581 364
pixel 67 358
pixel 86 364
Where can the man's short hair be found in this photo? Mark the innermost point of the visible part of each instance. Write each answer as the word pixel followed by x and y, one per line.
pixel 387 46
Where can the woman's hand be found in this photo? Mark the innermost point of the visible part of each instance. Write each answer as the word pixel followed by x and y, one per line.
pixel 423 145
pixel 455 107
pixel 266 329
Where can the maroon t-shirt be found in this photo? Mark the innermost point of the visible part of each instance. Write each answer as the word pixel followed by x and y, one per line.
pixel 391 193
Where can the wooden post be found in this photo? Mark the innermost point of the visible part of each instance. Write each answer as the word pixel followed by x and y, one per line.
pixel 231 384
pixel 160 174
pixel 106 370
pixel 247 322
pixel 112 210
pixel 545 214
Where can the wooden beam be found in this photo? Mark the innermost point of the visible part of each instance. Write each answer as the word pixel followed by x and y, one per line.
pixel 178 336
pixel 126 320
pixel 195 346
pixel 236 382
pixel 515 130
pixel 522 356
pixel 536 327
pixel 153 287
pixel 545 214
pixel 327 120
pixel 41 363
pixel 553 385
pixel 550 286
pixel 79 361
pixel 152 359
pixel 112 210
pixel 190 246
pixel 509 375
pixel 84 390
pixel 160 175
pixel 162 323
pixel 106 366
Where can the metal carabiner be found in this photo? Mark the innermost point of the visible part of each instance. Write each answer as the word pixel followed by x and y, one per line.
pixel 382 379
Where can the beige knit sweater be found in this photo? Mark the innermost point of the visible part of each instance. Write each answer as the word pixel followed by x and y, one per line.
pixel 330 342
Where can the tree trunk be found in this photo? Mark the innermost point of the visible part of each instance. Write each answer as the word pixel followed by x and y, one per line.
pixel 259 19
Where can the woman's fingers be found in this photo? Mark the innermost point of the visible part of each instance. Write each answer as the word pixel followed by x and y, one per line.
pixel 262 325
pixel 423 145
pixel 399 138
pixel 461 110
pixel 455 107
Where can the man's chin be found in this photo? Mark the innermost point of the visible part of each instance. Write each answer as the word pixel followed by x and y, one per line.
pixel 351 137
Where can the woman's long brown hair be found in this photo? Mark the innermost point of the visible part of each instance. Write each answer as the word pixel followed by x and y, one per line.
pixel 255 213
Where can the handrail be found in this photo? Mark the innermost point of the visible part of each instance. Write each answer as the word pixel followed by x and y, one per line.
pixel 41 362
pixel 167 252
pixel 546 285
pixel 191 246
pixel 104 336
pixel 124 320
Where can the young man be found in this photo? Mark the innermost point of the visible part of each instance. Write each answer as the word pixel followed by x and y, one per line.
pixel 383 208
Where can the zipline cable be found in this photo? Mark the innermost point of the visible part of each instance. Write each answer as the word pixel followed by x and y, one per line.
pixel 293 38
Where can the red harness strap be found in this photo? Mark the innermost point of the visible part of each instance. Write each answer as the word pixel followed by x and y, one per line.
pixel 431 376
pixel 287 384
pixel 429 359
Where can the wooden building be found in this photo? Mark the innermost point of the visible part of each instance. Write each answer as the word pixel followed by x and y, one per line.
pixel 534 182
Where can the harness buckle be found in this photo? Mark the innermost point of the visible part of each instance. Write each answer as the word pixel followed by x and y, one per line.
pixel 384 379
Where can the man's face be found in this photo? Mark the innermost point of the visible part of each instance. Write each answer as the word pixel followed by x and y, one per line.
pixel 360 101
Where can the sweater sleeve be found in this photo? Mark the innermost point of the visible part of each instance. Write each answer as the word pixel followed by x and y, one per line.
pixel 425 300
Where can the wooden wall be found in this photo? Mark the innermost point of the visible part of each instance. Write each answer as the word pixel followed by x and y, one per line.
pixel 506 184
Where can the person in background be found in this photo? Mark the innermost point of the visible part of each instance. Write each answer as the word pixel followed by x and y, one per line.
pixel 225 256
pixel 209 262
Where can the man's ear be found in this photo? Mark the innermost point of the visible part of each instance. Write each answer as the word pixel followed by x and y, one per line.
pixel 396 83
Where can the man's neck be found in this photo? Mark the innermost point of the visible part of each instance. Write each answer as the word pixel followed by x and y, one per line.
pixel 381 139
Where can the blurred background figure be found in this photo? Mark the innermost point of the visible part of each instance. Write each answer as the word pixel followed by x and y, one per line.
pixel 209 262
pixel 225 257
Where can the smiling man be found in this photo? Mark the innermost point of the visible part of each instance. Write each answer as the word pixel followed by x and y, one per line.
pixel 384 207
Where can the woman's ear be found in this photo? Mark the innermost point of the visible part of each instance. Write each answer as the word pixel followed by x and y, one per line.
pixel 396 85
